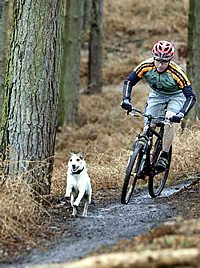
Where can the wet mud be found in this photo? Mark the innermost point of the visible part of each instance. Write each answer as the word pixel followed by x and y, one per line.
pixel 105 225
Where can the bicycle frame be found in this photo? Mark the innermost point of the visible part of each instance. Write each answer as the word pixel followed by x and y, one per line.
pixel 146 139
pixel 142 162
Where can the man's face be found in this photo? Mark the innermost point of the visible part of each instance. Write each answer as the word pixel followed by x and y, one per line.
pixel 161 65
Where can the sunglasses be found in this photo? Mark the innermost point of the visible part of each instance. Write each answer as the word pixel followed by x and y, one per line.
pixel 161 61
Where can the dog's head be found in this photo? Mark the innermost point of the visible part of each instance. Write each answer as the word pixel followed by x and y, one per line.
pixel 76 162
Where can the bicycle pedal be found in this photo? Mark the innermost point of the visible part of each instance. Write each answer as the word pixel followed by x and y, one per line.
pixel 133 174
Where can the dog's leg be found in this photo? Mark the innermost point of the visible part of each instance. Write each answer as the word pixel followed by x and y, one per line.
pixel 85 209
pixel 80 196
pixel 74 211
pixel 67 194
pixel 72 204
pixel 87 199
pixel 68 189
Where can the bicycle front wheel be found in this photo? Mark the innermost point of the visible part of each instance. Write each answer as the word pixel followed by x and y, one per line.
pixel 131 174
pixel 157 180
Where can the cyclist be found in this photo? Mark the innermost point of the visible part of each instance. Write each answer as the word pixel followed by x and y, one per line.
pixel 170 88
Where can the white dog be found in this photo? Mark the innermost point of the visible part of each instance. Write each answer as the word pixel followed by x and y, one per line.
pixel 78 183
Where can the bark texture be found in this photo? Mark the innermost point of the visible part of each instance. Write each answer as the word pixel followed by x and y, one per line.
pixel 87 15
pixel 193 52
pixel 31 91
pixel 4 12
pixel 70 74
pixel 95 47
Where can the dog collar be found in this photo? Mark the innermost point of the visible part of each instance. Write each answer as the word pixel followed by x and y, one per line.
pixel 78 171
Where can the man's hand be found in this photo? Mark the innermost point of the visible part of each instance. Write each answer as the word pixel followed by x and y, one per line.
pixel 126 105
pixel 177 118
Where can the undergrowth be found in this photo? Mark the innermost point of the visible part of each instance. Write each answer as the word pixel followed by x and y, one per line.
pixel 106 138
pixel 105 134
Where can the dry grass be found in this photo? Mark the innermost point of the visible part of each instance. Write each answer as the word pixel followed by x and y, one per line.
pixel 131 28
pixel 105 134
pixel 106 138
pixel 186 152
pixel 20 215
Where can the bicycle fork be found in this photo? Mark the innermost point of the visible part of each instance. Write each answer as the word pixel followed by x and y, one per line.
pixel 143 169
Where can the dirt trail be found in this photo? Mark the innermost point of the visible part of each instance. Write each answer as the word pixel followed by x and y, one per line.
pixel 105 225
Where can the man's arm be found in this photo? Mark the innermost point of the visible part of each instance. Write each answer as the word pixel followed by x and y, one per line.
pixel 131 81
pixel 190 100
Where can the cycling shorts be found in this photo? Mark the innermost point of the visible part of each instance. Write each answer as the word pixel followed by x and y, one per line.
pixel 156 104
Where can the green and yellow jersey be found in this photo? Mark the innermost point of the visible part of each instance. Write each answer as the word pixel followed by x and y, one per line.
pixel 170 82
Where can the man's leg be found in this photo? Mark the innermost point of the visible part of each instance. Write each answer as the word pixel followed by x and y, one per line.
pixel 169 133
pixel 168 136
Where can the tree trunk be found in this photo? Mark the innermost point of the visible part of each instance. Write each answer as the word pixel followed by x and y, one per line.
pixel 193 52
pixel 4 12
pixel 31 91
pixel 95 47
pixel 87 15
pixel 70 71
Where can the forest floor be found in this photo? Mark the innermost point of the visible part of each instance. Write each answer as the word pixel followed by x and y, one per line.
pixel 171 221
pixel 112 227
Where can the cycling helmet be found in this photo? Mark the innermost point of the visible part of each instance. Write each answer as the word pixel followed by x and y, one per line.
pixel 163 50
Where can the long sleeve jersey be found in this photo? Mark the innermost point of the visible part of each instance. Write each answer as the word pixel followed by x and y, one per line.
pixel 170 82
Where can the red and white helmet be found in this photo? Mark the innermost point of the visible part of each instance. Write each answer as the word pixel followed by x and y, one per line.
pixel 163 50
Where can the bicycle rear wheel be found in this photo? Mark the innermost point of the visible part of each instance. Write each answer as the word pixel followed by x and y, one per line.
pixel 131 174
pixel 157 180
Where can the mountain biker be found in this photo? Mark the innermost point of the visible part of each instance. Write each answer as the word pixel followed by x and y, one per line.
pixel 170 88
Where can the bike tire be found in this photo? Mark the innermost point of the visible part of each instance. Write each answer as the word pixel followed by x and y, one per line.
pixel 131 174
pixel 157 181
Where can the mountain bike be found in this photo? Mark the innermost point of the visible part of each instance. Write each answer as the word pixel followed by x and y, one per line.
pixel 144 156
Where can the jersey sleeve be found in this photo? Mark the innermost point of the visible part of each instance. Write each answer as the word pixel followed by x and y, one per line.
pixel 131 81
pixel 135 76
pixel 190 99
pixel 179 75
pixel 182 80
pixel 144 67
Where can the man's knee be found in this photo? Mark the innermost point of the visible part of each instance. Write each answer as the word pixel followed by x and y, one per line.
pixel 169 114
pixel 153 125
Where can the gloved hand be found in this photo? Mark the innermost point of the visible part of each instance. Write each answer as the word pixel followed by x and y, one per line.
pixel 177 118
pixel 126 105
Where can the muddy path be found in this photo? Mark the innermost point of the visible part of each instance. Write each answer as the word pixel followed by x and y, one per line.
pixel 105 225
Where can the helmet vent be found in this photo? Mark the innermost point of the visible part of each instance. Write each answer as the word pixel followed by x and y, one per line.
pixel 163 50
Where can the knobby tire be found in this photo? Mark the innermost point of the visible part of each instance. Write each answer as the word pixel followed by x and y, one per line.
pixel 131 174
pixel 157 181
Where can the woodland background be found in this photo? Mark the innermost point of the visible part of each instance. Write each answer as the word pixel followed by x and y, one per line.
pixel 104 133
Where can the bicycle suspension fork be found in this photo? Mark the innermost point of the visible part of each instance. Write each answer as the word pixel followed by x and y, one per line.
pixel 145 159
pixel 157 144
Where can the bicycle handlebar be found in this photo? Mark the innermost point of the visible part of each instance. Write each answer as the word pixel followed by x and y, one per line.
pixel 146 115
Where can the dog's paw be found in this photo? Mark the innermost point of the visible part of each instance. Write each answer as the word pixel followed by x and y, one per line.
pixel 74 212
pixel 76 204
pixel 67 195
pixel 84 215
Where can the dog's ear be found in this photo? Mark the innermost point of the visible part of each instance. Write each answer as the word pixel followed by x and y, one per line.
pixel 80 154
pixel 71 152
